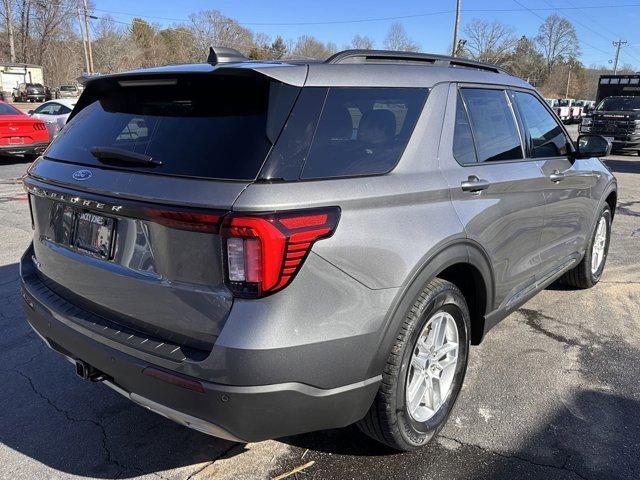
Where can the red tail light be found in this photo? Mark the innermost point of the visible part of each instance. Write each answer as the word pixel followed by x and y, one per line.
pixel 207 222
pixel 39 126
pixel 263 253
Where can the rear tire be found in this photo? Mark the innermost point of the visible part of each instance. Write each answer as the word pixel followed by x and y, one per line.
pixel 416 361
pixel 589 271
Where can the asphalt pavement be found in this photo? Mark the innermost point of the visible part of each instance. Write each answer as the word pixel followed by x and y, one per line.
pixel 552 393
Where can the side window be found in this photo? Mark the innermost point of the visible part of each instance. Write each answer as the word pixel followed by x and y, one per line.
pixel 494 126
pixel 546 136
pixel 43 109
pixel 362 131
pixel 463 149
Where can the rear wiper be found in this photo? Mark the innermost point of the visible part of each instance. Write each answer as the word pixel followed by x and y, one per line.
pixel 107 154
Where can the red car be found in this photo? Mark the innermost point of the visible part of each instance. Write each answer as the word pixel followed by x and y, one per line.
pixel 20 134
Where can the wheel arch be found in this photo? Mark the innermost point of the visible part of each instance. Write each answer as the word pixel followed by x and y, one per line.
pixel 463 263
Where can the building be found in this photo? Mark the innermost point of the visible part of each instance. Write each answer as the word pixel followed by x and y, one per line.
pixel 13 74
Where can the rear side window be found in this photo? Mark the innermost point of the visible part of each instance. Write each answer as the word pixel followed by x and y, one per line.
pixel 362 131
pixel 546 136
pixel 463 149
pixel 493 124
pixel 211 126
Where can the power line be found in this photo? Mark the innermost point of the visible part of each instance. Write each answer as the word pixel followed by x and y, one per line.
pixel 582 42
pixel 364 20
pixel 588 27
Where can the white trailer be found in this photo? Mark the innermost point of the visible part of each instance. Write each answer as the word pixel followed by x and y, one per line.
pixel 13 74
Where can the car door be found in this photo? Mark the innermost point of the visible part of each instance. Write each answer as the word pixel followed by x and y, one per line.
pixel 496 191
pixel 48 113
pixel 569 210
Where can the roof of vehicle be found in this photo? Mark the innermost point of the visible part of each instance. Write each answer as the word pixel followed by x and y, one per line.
pixel 67 102
pixel 348 68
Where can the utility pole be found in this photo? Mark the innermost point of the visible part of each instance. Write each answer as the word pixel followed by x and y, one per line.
pixel 454 48
pixel 84 43
pixel 8 13
pixel 618 44
pixel 88 33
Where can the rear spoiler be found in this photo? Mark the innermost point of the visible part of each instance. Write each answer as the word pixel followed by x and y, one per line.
pixel 95 85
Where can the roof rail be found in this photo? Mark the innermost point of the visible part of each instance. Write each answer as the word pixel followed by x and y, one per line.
pixel 224 55
pixel 392 56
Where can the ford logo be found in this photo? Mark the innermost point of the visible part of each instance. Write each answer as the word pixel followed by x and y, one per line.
pixel 82 175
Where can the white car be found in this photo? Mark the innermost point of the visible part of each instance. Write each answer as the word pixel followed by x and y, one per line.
pixel 54 114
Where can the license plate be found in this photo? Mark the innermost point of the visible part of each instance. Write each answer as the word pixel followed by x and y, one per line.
pixel 94 234
pixel 16 140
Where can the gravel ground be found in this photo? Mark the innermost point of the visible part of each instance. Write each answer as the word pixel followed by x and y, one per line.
pixel 552 393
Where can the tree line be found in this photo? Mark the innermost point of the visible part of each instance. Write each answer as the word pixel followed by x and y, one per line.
pixel 47 33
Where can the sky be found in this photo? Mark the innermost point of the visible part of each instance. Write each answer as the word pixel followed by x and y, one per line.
pixel 430 23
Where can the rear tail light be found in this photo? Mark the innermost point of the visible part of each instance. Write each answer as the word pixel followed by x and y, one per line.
pixel 39 126
pixel 263 253
pixel 206 222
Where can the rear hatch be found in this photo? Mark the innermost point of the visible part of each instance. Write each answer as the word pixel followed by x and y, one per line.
pixel 127 200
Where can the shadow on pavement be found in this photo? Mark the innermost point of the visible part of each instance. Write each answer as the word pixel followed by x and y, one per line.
pixel 77 427
pixel 593 436
pixel 74 427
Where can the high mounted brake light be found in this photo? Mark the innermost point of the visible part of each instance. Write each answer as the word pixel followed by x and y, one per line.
pixel 263 253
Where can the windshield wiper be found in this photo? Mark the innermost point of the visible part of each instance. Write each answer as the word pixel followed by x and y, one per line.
pixel 109 154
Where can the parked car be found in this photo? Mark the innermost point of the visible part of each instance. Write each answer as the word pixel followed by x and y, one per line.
pixel 68 91
pixel 21 134
pixel 326 253
pixel 618 120
pixel 54 114
pixel 29 92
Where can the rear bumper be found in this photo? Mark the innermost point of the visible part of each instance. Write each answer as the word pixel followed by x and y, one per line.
pixel 239 413
pixel 28 149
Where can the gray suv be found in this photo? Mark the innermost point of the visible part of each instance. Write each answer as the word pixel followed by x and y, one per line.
pixel 260 249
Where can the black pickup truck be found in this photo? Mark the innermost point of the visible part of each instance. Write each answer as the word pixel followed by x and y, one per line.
pixel 617 113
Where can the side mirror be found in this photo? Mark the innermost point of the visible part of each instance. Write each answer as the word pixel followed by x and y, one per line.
pixel 590 145
pixel 30 112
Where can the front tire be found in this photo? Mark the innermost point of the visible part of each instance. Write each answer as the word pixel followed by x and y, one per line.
pixel 589 271
pixel 424 372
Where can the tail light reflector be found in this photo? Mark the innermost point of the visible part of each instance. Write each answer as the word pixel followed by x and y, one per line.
pixel 263 253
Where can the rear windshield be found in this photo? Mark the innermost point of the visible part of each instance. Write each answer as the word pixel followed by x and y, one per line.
pixel 8 110
pixel 619 103
pixel 211 126
pixel 68 88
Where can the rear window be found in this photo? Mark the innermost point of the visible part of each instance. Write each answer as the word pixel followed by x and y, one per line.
pixel 210 126
pixel 8 110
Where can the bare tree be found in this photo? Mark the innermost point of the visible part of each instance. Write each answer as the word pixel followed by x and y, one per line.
pixel 8 17
pixel 558 40
pixel 397 39
pixel 362 42
pixel 490 42
pixel 310 47
pixel 113 47
pixel 211 27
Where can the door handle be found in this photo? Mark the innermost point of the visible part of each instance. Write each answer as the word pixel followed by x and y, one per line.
pixel 474 184
pixel 557 176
